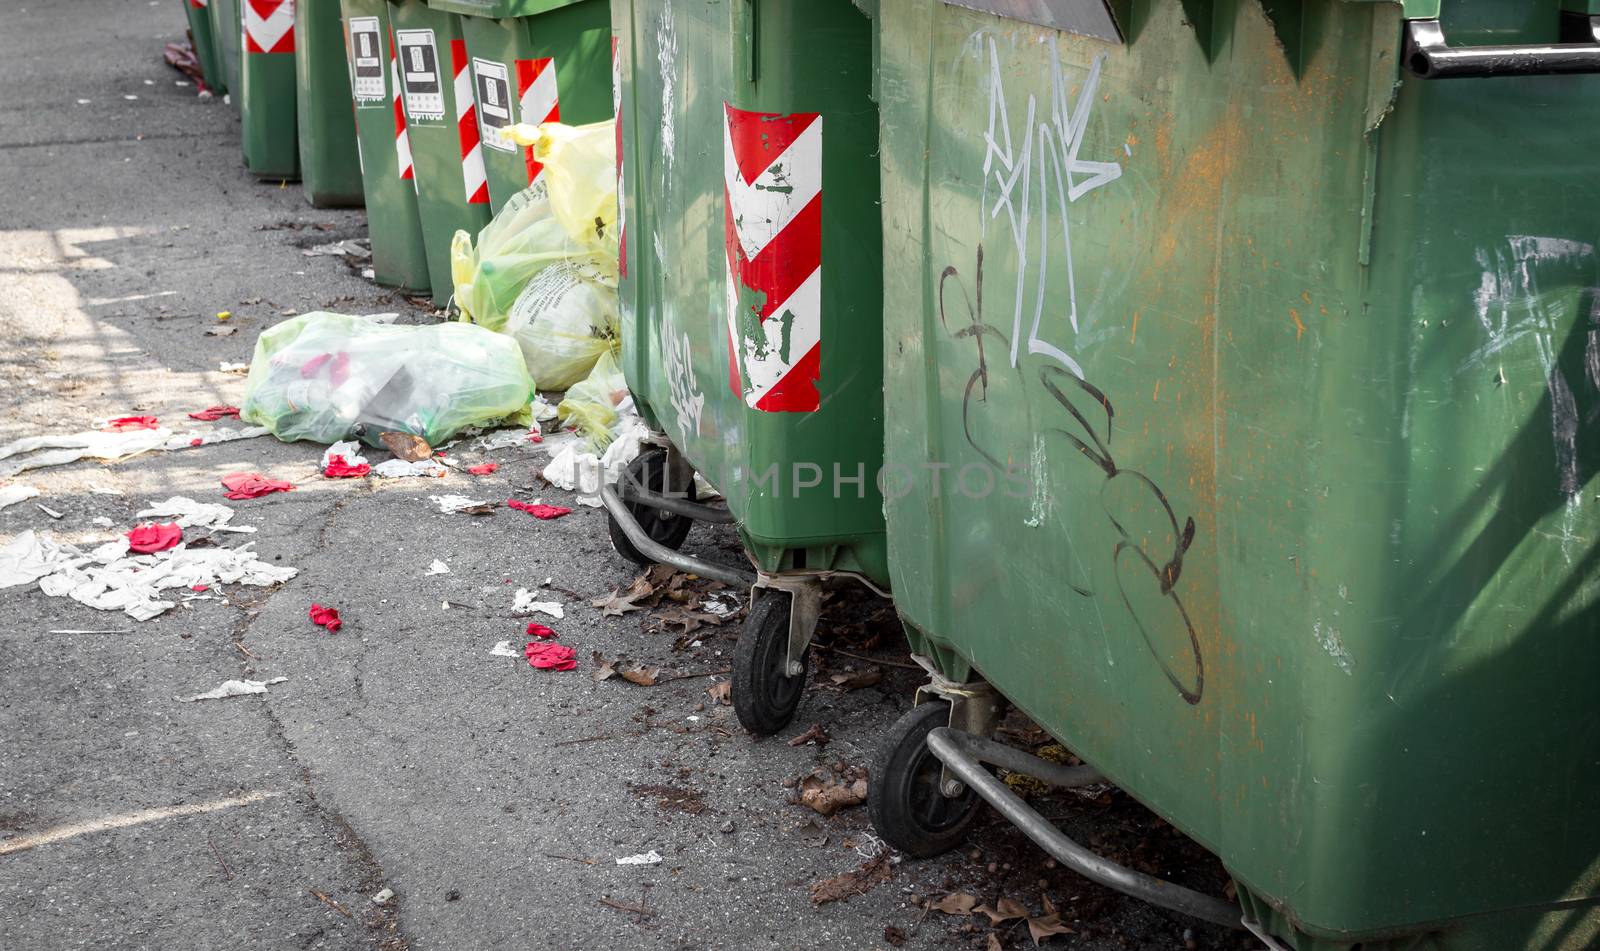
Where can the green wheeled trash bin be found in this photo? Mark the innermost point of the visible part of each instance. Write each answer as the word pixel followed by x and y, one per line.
pixel 436 91
pixel 1262 341
pixel 388 179
pixel 202 37
pixel 533 61
pixel 751 299
pixel 226 37
pixel 267 89
pixel 330 163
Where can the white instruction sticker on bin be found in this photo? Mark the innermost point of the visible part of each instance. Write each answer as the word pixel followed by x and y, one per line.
pixel 495 105
pixel 366 62
pixel 419 75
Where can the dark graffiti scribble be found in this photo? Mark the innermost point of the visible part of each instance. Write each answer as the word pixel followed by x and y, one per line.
pixel 1082 400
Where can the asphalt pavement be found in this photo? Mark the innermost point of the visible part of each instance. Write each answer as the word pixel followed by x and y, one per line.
pixel 399 754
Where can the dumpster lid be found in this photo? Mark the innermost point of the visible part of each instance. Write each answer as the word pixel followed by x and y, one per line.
pixel 1085 17
pixel 500 9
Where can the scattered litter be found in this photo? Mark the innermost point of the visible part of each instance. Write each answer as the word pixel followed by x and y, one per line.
pixel 721 692
pixel 437 568
pixel 191 514
pixel 100 488
pixel 353 248
pixel 213 413
pixel 326 617
pixel 151 538
pixel 16 492
pixel 651 857
pixel 827 796
pixel 539 510
pixel 382 898
pixel 233 688
pixel 525 604
pixel 503 649
pixel 252 485
pixel 857 679
pixel 816 734
pixel 345 464
pixel 107 446
pixel 100 521
pixel 547 656
pixel 110 579
pixel 487 468
pixel 504 439
pixel 221 331
pixel 239 368
pixel 48 511
pixel 224 314
pixel 401 469
pixel 535 629
pixel 326 377
pixel 451 504
pixel 575 467
pixel 125 424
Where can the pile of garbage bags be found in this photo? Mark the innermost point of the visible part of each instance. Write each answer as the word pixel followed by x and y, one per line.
pixel 327 377
pixel 544 272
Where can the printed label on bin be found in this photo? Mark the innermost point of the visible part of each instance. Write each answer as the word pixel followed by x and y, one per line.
pixel 419 75
pixel 366 62
pixel 494 103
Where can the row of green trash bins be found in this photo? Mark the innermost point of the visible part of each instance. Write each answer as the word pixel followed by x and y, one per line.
pixel 1215 381
pixel 399 105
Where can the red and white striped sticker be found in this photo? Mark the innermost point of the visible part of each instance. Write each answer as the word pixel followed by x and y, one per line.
pixel 616 106
pixel 472 171
pixel 269 26
pixel 772 165
pixel 199 4
pixel 402 139
pixel 537 101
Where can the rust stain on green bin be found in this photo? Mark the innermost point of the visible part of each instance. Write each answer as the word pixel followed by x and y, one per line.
pixel 1300 358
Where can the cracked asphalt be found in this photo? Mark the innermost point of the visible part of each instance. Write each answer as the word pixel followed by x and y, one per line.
pixel 492 799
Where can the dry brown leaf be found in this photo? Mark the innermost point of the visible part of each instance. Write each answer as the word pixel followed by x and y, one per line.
pixel 870 875
pixel 828 797
pixel 486 508
pixel 406 446
pixel 955 903
pixel 856 679
pixel 815 735
pixel 690 619
pixel 622 667
pixel 720 692
pixel 813 834
pixel 641 675
pixel 1044 927
pixel 618 603
pixel 1005 910
pixel 993 944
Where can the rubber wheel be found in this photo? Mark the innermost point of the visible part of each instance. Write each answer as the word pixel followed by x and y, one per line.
pixel 649 471
pixel 764 695
pixel 903 798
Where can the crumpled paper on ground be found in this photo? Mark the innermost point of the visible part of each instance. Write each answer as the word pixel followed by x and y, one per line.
pixel 191 514
pixel 12 494
pixel 524 603
pixel 233 688
pixel 109 447
pixel 401 469
pixel 110 579
pixel 575 467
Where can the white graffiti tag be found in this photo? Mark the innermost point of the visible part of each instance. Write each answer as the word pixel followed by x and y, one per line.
pixel 685 396
pixel 1050 174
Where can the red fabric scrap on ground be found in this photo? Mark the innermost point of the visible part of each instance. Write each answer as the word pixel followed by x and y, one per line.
pixel 199 587
pixel 197 441
pixel 551 656
pixel 339 469
pixel 485 469
pixel 535 437
pixel 147 539
pixel 540 511
pixel 123 424
pixel 326 617
pixel 214 413
pixel 252 485
pixel 540 631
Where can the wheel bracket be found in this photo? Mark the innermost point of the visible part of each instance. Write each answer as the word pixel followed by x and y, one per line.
pixel 805 606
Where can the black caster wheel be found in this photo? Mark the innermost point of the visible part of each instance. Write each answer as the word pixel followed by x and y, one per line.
pixel 649 471
pixel 904 800
pixel 765 695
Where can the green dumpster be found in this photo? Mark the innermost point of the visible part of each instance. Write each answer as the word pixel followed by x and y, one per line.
pixel 226 37
pixel 330 163
pixel 388 177
pixel 533 61
pixel 751 322
pixel 205 47
pixel 436 90
pixel 1284 319
pixel 266 89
